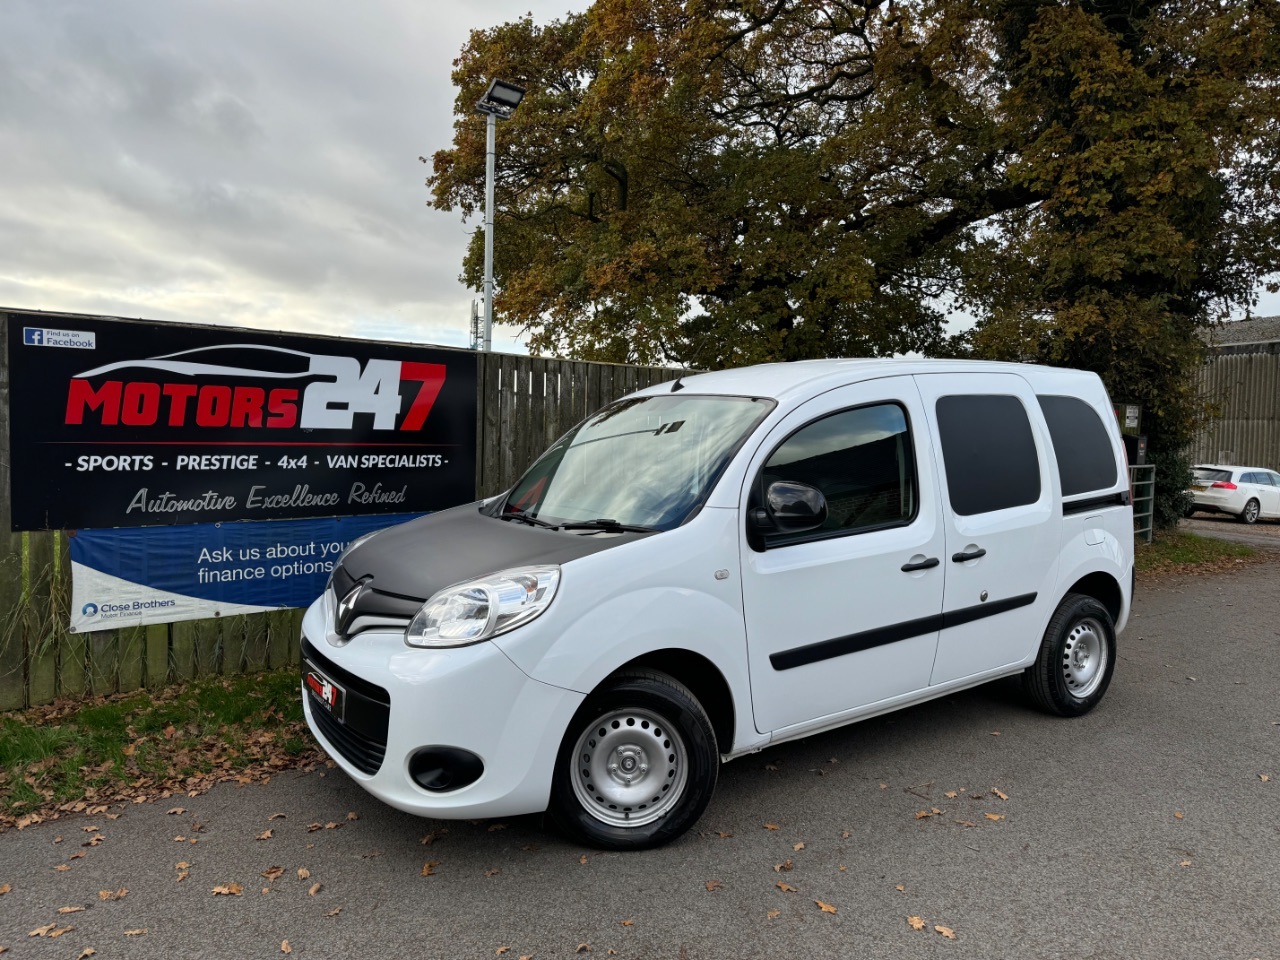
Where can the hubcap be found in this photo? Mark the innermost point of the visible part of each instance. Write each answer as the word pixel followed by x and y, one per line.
pixel 1084 658
pixel 629 768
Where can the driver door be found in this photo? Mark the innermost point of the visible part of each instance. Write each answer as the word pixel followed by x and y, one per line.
pixel 847 615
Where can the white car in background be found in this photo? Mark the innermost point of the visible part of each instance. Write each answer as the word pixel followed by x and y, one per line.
pixel 1249 493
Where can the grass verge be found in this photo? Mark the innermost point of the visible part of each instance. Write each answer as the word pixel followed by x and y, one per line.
pixel 82 755
pixel 1174 552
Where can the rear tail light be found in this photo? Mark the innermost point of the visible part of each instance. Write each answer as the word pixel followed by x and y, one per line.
pixel 1223 485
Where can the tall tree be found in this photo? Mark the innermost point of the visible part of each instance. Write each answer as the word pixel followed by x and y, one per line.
pixel 719 182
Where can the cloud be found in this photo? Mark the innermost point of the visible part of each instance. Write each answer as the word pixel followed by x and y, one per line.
pixel 232 162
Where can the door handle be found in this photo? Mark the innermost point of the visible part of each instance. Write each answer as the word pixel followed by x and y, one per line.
pixel 922 565
pixel 971 555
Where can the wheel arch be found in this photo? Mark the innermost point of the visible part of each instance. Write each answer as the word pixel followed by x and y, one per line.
pixel 704 680
pixel 1104 588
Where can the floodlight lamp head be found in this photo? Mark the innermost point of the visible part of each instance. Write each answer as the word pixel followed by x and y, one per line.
pixel 501 99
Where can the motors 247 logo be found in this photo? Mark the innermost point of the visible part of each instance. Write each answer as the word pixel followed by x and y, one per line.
pixel 205 388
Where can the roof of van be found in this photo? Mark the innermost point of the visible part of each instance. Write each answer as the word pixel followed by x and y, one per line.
pixel 778 380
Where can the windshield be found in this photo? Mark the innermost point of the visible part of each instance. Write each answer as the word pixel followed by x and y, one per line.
pixel 646 462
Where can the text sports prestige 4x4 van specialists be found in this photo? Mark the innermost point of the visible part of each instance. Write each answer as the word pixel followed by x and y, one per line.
pixel 728 561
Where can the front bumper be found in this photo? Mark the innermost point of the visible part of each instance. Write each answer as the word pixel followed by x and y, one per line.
pixel 473 698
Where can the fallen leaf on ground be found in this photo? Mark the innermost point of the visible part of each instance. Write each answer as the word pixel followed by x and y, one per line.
pixel 303 873
pixel 5 888
pixel 182 875
pixel 712 885
pixel 583 948
pixel 284 947
pixel 428 868
pixel 136 933
pixel 264 835
pixel 86 953
pixel 771 826
pixel 492 872
pixel 843 868
pixel 113 894
pixel 785 887
pixel 313 827
pixel 901 888
pixel 179 839
pixel 331 825
pixel 884 786
pixel 276 816
pixel 845 834
pixel 784 865
pixel 500 951
pixel 946 932
pixel 334 912
pixel 60 931
pixel 315 888
pixel 1185 863
pixel 723 835
pixel 228 890
pixel 916 923
pixel 176 811
pixel 1178 814
pixel 583 859
pixel 921 814
pixel 798 846
pixel 995 733
pixel 182 865
pixel 774 914
pixel 825 907
pixel 628 923
pixel 1000 793
pixel 63 867
pixel 42 931
pixel 1264 778
pixel 994 816
pixel 951 794
pixel 71 909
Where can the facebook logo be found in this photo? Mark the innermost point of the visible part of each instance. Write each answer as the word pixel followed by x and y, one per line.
pixel 49 337
pixel 33 336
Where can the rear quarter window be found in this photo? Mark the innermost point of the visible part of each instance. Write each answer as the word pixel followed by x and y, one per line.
pixel 1081 445
pixel 988 451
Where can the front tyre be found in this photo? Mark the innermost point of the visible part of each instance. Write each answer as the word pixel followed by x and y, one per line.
pixel 1076 660
pixel 637 765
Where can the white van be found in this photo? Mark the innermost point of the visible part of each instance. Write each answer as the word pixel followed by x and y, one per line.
pixel 720 563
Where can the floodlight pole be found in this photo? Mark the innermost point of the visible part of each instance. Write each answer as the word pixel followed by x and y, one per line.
pixel 491 126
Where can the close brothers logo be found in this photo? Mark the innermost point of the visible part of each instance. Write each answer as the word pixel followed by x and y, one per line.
pixel 136 393
pixel 89 609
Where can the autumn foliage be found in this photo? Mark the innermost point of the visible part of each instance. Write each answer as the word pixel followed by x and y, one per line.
pixel 717 183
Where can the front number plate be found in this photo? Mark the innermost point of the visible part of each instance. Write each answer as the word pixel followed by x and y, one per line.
pixel 324 692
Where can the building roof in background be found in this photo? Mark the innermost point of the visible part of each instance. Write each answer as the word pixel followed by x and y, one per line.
pixel 1257 330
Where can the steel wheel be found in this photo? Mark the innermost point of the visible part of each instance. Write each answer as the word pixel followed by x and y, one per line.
pixel 637 765
pixel 1076 660
pixel 629 768
pixel 1084 658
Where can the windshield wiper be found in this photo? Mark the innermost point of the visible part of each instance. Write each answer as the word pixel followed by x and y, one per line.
pixel 604 523
pixel 527 518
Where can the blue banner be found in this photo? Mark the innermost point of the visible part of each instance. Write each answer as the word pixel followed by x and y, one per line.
pixel 135 576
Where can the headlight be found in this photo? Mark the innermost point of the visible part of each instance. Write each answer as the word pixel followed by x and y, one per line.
pixel 480 609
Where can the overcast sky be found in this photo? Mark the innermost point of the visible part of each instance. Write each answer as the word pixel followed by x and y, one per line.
pixel 249 162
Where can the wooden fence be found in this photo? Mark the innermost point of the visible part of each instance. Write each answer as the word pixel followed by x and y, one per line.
pixel 524 404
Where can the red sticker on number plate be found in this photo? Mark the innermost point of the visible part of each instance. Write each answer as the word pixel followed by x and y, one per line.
pixel 328 693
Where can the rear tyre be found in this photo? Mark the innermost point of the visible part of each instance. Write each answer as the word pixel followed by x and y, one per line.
pixel 1250 512
pixel 637 765
pixel 1076 660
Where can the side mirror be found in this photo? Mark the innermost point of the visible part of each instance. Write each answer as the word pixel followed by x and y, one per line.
pixel 792 507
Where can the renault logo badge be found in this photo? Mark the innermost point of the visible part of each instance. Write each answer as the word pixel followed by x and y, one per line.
pixel 347 608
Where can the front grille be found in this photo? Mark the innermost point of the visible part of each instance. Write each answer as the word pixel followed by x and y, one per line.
pixel 373 609
pixel 361 736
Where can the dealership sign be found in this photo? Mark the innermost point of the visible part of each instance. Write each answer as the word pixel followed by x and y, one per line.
pixel 136 576
pixel 119 423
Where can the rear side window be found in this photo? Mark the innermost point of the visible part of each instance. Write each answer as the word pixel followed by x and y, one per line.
pixel 1080 443
pixel 989 453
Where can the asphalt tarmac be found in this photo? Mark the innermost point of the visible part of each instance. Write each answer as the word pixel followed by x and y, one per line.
pixel 1145 829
